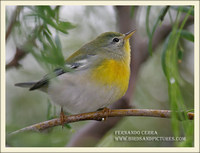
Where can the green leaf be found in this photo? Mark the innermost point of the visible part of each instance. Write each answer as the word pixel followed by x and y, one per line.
pixel 159 19
pixel 46 34
pixel 184 9
pixel 187 35
pixel 57 10
pixel 147 21
pixel 180 54
pixel 58 52
pixel 68 126
pixel 58 25
pixel 163 58
pixel 50 11
pixel 65 25
pixel 132 11
pixel 49 110
pixel 171 70
pixel 58 43
pixel 47 29
pixel 191 110
pixel 41 44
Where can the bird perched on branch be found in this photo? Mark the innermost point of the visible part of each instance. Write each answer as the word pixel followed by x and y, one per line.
pixel 93 77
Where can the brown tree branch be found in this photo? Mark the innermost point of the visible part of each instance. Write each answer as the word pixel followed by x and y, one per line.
pixel 98 116
pixel 19 54
pixel 13 20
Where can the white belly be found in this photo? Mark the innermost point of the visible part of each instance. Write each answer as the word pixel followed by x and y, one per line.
pixel 80 95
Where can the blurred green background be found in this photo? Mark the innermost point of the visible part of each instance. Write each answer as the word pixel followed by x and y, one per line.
pixel 24 108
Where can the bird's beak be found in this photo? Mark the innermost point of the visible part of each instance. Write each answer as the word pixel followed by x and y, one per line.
pixel 129 34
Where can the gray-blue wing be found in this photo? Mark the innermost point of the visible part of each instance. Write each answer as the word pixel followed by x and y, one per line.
pixel 69 67
pixel 45 80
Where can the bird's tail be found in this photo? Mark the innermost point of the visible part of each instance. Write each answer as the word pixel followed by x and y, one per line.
pixel 25 84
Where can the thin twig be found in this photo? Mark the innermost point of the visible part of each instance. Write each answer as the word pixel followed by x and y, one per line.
pixel 13 20
pixel 99 116
pixel 19 54
pixel 22 51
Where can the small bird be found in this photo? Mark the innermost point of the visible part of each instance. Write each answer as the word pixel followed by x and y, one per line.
pixel 93 77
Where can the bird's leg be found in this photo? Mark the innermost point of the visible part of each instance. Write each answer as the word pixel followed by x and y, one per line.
pixel 62 117
pixel 105 111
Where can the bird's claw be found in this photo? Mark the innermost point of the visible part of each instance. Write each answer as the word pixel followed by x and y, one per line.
pixel 105 111
pixel 62 117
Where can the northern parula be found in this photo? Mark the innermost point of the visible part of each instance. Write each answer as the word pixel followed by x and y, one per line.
pixel 100 75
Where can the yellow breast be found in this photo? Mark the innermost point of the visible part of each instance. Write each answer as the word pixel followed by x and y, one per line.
pixel 113 73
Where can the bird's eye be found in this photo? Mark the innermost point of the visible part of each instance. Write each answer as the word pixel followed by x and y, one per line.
pixel 115 40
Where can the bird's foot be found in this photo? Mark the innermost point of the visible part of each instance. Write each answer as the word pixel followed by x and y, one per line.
pixel 105 111
pixel 62 117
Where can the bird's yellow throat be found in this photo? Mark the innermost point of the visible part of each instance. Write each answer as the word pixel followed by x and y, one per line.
pixel 114 72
